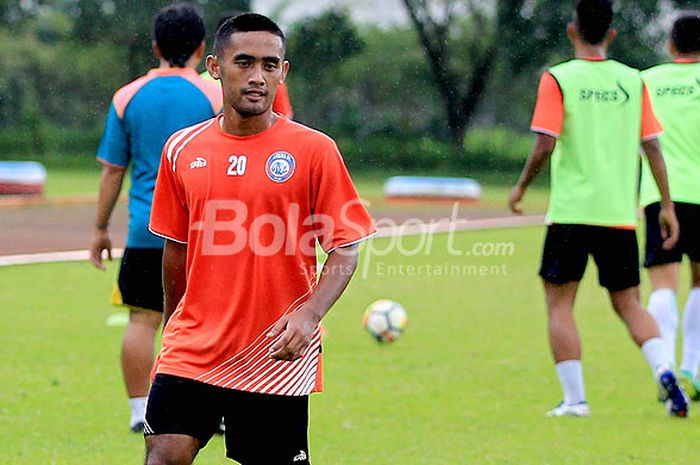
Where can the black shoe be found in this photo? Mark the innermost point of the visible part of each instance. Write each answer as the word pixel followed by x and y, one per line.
pixel 137 427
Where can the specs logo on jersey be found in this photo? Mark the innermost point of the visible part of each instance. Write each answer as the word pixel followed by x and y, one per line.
pixel 678 90
pixel 280 166
pixel 619 96
pixel 198 162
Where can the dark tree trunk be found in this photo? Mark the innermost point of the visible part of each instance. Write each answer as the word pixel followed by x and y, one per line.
pixel 460 101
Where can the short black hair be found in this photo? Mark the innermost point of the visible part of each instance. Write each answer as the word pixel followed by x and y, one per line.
pixel 245 22
pixel 178 30
pixel 226 15
pixel 685 34
pixel 593 19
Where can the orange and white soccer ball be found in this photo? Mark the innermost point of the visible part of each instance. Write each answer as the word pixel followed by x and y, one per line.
pixel 385 320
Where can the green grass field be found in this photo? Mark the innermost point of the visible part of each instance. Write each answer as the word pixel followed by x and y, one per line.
pixel 468 383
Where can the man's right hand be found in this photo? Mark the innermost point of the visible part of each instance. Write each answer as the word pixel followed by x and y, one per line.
pixel 100 242
pixel 516 195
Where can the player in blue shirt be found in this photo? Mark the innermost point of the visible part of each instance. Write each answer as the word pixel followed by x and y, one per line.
pixel 142 116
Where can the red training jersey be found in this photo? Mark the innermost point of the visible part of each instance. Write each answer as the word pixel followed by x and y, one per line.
pixel 251 210
pixel 281 104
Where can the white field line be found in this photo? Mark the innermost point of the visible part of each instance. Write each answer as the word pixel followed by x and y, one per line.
pixel 52 257
pixel 436 227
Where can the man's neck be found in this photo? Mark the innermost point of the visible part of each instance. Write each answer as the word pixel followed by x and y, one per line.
pixel 237 125
pixel 687 57
pixel 191 63
pixel 591 51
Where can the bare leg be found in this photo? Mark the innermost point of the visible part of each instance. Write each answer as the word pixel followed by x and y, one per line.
pixel 563 336
pixel 171 449
pixel 640 323
pixel 137 351
pixel 665 276
pixel 695 274
pixel 566 349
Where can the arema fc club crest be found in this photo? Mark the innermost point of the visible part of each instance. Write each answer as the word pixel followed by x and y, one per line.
pixel 280 166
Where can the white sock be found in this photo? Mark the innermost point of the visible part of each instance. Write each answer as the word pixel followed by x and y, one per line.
pixel 654 351
pixel 570 374
pixel 691 333
pixel 138 410
pixel 663 306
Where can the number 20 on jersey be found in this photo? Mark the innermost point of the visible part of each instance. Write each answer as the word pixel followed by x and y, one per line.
pixel 237 165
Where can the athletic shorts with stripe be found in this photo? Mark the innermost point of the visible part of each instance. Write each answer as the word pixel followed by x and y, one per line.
pixel 261 429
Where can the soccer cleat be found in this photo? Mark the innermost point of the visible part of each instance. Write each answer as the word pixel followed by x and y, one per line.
pixel 575 410
pixel 137 427
pixel 675 399
pixel 690 385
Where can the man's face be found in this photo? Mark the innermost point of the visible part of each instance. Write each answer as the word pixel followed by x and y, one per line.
pixel 251 68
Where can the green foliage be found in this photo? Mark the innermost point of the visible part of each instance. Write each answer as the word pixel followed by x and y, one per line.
pixel 43 142
pixel 366 86
pixel 495 148
pixel 328 39
pixel 381 92
pixel 64 85
pixel 384 153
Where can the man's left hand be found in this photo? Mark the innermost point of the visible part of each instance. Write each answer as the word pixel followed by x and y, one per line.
pixel 297 330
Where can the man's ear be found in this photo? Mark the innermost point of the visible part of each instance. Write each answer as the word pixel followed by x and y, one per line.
pixel 572 32
pixel 156 50
pixel 610 37
pixel 285 71
pixel 213 67
pixel 199 53
pixel 672 50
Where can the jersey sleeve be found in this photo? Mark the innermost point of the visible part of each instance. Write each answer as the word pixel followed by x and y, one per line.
pixel 651 127
pixel 114 147
pixel 282 105
pixel 169 213
pixel 340 218
pixel 548 117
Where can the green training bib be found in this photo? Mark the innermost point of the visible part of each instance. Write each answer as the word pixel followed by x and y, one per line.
pixel 674 89
pixel 595 166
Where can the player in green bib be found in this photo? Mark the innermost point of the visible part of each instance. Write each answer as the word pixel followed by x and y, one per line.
pixel 590 116
pixel 675 93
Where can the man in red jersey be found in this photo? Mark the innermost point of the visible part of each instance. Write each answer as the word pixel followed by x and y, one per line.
pixel 242 200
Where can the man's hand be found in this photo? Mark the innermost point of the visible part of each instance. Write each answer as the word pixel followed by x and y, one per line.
pixel 297 329
pixel 670 230
pixel 516 195
pixel 100 242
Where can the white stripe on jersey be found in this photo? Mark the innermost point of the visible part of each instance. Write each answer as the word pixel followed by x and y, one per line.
pixel 252 347
pixel 189 139
pixel 264 383
pixel 252 364
pixel 181 135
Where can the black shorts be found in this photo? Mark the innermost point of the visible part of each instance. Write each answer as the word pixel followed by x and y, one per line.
pixel 141 279
pixel 261 429
pixel 688 243
pixel 615 251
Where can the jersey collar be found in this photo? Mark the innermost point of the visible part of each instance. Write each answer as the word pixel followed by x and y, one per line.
pixel 171 71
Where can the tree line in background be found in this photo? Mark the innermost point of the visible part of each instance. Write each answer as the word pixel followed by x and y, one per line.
pixel 452 89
